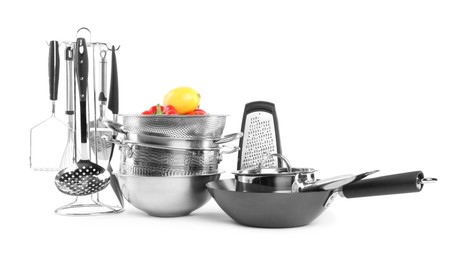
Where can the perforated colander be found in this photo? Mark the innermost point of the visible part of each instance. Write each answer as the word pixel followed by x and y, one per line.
pixel 182 126
pixel 147 161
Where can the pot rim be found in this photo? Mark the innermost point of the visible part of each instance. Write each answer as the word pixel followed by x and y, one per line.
pixel 281 171
pixel 173 116
pixel 118 174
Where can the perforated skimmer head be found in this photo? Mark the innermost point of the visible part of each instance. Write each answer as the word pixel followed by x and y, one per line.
pixel 82 179
pixel 260 136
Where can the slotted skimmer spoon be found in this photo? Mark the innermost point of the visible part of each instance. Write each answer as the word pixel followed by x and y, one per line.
pixel 84 177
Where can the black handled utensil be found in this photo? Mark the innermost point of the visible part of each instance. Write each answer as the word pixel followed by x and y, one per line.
pixel 113 103
pixel 45 136
pixel 54 69
pixel 113 106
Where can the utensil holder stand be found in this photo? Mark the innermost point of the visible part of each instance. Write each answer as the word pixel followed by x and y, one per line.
pixel 91 205
pixel 87 206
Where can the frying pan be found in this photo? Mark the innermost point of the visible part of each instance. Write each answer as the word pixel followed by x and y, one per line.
pixel 265 206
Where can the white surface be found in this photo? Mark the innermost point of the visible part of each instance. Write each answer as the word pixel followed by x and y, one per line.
pixel 358 85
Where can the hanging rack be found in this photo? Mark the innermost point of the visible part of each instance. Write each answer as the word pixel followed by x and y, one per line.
pixel 92 203
pixel 89 43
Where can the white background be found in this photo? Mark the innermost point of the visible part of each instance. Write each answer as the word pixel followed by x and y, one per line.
pixel 358 85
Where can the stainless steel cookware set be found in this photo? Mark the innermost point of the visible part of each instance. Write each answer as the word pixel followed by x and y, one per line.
pixel 169 164
pixel 166 161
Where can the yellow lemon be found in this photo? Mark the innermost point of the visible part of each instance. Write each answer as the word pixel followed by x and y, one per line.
pixel 183 99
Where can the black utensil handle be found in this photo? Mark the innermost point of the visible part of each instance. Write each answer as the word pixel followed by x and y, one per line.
pixel 385 185
pixel 113 103
pixel 82 72
pixel 53 69
pixel 82 67
pixel 256 106
pixel 83 112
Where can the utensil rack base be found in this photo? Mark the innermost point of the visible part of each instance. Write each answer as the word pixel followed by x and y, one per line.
pixel 90 207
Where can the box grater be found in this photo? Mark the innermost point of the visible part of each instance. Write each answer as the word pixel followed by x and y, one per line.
pixel 260 136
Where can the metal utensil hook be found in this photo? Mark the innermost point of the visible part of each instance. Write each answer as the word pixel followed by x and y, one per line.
pixel 67 44
pixel 106 45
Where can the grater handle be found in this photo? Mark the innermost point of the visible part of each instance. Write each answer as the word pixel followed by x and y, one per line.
pixel 257 106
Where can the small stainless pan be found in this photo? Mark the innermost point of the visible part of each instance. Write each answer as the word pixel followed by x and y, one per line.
pixel 264 206
pixel 281 178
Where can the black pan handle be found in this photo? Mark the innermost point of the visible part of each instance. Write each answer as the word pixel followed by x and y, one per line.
pixel 392 184
pixel 82 73
pixel 53 69
pixel 113 102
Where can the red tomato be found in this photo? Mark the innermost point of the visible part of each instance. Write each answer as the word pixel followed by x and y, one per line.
pixel 169 110
pixel 197 111
pixel 147 112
